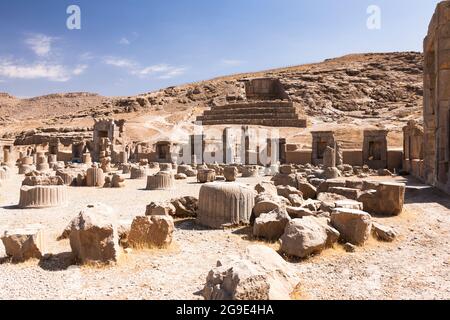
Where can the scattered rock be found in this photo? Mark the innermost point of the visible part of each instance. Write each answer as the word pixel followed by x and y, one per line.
pixel 94 235
pixel 306 236
pixel 353 225
pixel 383 233
pixel 24 244
pixel 258 274
pixel 271 225
pixel 151 231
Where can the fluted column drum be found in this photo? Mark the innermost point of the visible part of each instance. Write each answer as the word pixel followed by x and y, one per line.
pixel 160 181
pixel 224 204
pixel 95 177
pixel 42 196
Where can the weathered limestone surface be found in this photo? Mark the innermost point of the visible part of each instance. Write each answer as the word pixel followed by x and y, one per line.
pixel 160 209
pixel 385 198
pixel 353 225
pixel 225 204
pixel 258 274
pixel 43 196
pixel 206 175
pixel 230 173
pixel 95 177
pixel 151 231
pixel 138 173
pixel 271 225
pixel 162 180
pixel 24 244
pixel 306 236
pixel 94 235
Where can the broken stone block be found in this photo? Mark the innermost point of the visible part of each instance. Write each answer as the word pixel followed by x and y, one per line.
pixel 298 212
pixel 94 235
pixel 138 173
pixel 266 187
pixel 354 184
pixel 354 225
pixel 349 193
pixel 313 205
pixel 258 274
pixel 383 233
pixel 230 173
pixel 271 225
pixel 24 244
pixel 118 181
pixel 349 204
pixel 180 176
pixel 331 183
pixel 285 191
pixel 250 171
pixel 383 198
pixel 295 200
pixel 308 190
pixel 151 231
pixel 206 175
pixel 185 206
pixel 348 247
pixel 307 236
pixel 328 201
pixel 160 209
pixel 331 173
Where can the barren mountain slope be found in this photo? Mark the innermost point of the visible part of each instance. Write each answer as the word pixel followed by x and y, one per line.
pixel 346 94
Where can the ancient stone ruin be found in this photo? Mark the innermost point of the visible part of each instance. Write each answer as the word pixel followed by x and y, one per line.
pixel 265 102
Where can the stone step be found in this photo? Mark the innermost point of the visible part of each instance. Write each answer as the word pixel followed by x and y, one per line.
pixel 283 110
pixel 267 116
pixel 296 123
pixel 257 104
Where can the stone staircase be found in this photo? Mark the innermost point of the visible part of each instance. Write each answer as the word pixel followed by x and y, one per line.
pixel 265 113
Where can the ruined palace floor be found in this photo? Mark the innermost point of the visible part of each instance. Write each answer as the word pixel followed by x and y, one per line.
pixel 416 266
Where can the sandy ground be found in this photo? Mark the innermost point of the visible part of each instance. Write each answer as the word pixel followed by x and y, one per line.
pixel 416 266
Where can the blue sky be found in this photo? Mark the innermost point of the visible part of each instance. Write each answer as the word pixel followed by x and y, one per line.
pixel 126 47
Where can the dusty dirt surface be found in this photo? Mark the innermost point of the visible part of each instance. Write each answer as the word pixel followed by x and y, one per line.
pixel 416 266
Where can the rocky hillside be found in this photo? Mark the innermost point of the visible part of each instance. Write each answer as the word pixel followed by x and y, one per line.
pixel 361 89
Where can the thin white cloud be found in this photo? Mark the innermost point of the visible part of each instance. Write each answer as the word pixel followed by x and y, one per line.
pixel 79 69
pixel 124 41
pixel 40 44
pixel 232 62
pixel 86 56
pixel 162 71
pixel 119 62
pixel 173 72
pixel 40 70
